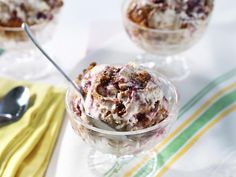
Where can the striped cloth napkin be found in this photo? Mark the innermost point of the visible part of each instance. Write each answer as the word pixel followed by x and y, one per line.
pixel 27 145
pixel 204 136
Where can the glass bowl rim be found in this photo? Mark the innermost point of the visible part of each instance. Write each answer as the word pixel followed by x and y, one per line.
pixel 174 109
pixel 125 18
pixel 19 29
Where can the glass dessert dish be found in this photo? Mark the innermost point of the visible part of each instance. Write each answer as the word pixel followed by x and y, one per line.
pixel 139 120
pixel 164 29
pixel 19 59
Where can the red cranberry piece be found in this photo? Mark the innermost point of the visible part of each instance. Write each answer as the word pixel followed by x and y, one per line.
pixel 78 111
pixel 41 15
pixel 192 4
pixel 87 84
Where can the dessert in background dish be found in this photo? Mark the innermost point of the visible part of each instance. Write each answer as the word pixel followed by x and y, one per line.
pixel 125 97
pixel 42 17
pixel 170 14
pixel 14 12
pixel 36 13
pixel 166 26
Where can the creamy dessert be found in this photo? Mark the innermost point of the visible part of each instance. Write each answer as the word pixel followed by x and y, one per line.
pixel 139 104
pixel 39 14
pixel 14 12
pixel 166 26
pixel 126 98
pixel 170 14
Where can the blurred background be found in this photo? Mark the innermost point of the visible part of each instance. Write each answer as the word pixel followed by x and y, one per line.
pixel 85 26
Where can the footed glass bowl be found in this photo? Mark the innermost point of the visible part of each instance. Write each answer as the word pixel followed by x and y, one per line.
pixel 112 147
pixel 20 59
pixel 163 45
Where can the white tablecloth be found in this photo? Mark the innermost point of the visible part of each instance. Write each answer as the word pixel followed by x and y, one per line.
pixel 212 56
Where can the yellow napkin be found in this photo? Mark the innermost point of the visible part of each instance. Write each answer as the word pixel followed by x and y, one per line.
pixel 27 145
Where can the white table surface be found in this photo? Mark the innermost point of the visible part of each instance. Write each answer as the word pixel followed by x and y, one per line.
pixel 80 20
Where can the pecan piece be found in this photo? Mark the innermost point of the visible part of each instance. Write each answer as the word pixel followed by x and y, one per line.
pixel 120 109
pixel 141 79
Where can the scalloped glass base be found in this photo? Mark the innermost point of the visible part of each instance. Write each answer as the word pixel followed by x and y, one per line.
pixel 107 165
pixel 22 65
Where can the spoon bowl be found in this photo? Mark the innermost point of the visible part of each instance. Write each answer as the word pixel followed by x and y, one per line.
pixel 14 104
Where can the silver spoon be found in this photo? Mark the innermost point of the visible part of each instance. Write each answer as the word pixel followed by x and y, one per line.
pixel 98 123
pixel 14 104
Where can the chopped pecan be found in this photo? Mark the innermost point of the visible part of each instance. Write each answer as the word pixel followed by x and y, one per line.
pixel 105 80
pixel 139 14
pixel 41 15
pixel 120 109
pixel 141 79
pixel 142 120
pixel 101 90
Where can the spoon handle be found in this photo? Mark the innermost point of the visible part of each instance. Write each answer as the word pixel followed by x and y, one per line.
pixel 98 123
pixel 30 35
